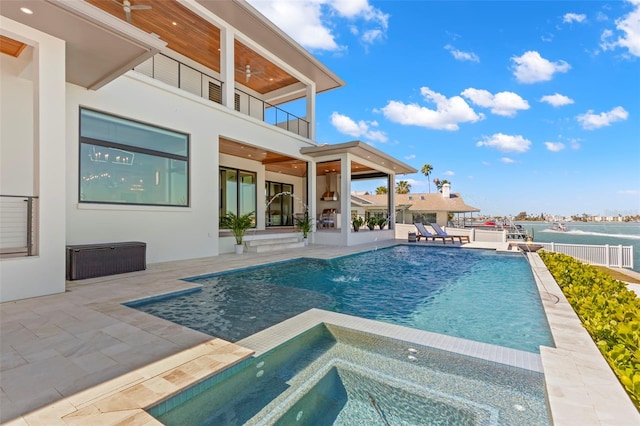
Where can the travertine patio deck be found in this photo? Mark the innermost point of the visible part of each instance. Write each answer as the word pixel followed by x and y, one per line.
pixel 81 357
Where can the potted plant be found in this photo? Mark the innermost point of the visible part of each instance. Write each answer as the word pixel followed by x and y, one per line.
pixel 304 225
pixel 382 222
pixel 357 223
pixel 372 221
pixel 238 225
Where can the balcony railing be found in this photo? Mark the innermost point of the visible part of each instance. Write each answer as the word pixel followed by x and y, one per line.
pixel 171 71
pixel 18 225
pixel 601 255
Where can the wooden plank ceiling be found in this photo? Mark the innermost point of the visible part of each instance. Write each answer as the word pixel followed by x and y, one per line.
pixel 279 163
pixel 199 40
pixel 10 46
pixel 272 161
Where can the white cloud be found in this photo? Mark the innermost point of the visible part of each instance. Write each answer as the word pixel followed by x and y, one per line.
pixel 505 143
pixel 629 32
pixel 462 56
pixel 628 192
pixel 532 68
pixel 507 160
pixel 312 22
pixel 590 121
pixel 504 103
pixel 574 17
pixel 554 146
pixel 371 36
pixel 361 129
pixel 557 100
pixel 448 114
pixel 449 173
pixel 410 157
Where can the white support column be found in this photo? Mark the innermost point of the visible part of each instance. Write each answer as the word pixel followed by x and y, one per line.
pixel 227 70
pixel 43 274
pixel 345 193
pixel 311 110
pixel 391 190
pixel 312 194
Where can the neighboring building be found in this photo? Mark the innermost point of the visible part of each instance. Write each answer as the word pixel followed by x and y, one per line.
pixel 419 207
pixel 150 130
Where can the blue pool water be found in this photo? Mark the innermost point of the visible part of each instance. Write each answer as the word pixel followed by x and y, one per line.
pixel 335 376
pixel 473 294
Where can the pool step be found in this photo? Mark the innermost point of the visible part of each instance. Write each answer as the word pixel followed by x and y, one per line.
pixel 271 244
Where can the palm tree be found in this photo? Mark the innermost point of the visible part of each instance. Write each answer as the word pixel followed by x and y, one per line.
pixel 381 190
pixel 439 183
pixel 403 187
pixel 426 170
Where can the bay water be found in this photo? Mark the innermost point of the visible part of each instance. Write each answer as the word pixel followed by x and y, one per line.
pixel 595 233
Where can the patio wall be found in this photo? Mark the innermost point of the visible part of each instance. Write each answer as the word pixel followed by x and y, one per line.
pixel 34 97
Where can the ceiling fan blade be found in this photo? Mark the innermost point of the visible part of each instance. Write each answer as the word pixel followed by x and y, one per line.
pixel 141 7
pixel 118 3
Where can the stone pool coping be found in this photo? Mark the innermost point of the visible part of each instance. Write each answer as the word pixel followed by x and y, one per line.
pixel 581 387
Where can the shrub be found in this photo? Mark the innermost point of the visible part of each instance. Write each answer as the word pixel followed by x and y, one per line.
pixel 608 310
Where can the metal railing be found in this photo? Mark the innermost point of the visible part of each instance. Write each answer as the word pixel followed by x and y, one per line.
pixel 175 73
pixel 18 225
pixel 271 114
pixel 617 256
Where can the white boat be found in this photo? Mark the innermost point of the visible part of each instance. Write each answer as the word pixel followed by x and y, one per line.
pixel 559 226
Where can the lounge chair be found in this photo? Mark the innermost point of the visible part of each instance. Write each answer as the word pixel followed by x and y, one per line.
pixel 440 232
pixel 423 233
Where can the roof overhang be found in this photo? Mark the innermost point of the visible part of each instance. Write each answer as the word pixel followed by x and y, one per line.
pixel 361 150
pixel 249 21
pixel 99 47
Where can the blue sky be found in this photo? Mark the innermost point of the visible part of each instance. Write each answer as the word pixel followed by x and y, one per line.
pixel 522 105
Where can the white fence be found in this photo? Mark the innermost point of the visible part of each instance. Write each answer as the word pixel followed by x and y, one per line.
pixel 601 255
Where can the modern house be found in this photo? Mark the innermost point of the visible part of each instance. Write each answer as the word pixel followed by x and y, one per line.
pixel 122 122
pixel 419 207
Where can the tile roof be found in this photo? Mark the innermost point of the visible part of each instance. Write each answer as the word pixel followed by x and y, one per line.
pixel 422 202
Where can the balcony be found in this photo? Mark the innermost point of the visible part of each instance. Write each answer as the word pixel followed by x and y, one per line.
pixel 175 73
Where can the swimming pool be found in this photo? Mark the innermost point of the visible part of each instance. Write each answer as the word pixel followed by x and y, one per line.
pixel 335 375
pixel 473 294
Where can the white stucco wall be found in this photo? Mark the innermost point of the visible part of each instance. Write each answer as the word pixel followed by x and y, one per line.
pixel 170 233
pixel 45 273
pixel 16 132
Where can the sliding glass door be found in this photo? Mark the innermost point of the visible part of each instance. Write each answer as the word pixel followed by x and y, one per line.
pixel 279 198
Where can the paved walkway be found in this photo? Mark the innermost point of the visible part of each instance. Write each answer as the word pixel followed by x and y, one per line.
pixel 82 357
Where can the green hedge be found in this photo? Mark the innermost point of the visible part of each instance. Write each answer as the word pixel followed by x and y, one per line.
pixel 609 311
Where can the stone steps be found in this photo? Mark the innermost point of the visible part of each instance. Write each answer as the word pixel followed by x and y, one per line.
pixel 272 244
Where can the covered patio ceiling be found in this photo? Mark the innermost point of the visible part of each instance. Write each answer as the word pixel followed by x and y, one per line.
pixel 280 163
pixel 272 161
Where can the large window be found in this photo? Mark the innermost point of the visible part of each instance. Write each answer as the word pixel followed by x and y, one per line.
pixel 237 191
pixel 127 162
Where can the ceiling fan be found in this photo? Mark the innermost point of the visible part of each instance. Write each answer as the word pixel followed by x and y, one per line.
pixel 247 72
pixel 128 7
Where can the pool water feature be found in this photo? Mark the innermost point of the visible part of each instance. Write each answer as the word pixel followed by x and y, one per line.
pixel 479 295
pixel 334 375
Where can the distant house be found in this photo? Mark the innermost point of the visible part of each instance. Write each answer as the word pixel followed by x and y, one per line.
pixel 410 208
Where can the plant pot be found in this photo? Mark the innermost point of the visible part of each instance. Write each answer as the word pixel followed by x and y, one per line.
pixel 305 241
pixel 239 248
